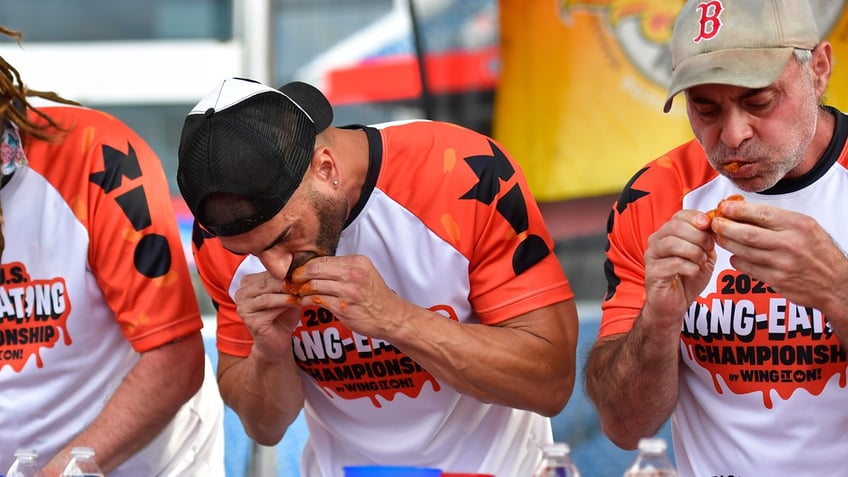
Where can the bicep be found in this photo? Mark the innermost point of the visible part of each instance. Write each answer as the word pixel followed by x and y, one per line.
pixel 555 324
pixel 177 365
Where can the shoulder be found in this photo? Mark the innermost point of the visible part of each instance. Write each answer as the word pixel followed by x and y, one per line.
pixel 669 177
pixel 217 266
pixel 445 160
pixel 656 192
pixel 83 128
pixel 442 146
pixel 85 136
pixel 75 119
pixel 426 131
pixel 685 166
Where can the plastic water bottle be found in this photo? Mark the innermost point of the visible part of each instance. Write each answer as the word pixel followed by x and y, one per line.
pixel 652 460
pixel 25 464
pixel 556 462
pixel 82 464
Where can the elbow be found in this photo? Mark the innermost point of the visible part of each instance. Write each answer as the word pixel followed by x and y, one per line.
pixel 267 440
pixel 556 397
pixel 620 436
pixel 552 409
pixel 559 398
pixel 621 429
pixel 264 436
pixel 615 426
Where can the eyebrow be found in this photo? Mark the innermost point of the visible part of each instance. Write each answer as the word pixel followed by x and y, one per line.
pixel 278 239
pixel 747 94
pixel 274 242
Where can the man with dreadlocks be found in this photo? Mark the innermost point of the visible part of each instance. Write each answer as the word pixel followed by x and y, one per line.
pixel 100 341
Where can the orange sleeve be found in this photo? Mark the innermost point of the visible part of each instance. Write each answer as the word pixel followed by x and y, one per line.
pixel 647 201
pixel 513 268
pixel 117 188
pixel 475 197
pixel 217 267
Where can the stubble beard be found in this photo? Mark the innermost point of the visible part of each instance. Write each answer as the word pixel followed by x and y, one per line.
pixel 332 214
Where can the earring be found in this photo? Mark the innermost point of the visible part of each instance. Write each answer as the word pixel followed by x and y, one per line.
pixel 335 183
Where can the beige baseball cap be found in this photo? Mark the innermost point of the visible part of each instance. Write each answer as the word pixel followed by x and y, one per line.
pixel 738 42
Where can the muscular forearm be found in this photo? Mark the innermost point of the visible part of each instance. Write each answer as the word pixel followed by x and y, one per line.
pixel 633 381
pixel 266 396
pixel 528 363
pixel 145 402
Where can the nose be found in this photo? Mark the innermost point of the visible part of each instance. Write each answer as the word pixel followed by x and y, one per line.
pixel 736 128
pixel 276 263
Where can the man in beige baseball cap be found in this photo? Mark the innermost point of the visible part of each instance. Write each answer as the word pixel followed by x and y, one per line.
pixel 728 317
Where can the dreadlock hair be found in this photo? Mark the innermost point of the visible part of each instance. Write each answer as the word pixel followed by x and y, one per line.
pixel 14 105
pixel 14 102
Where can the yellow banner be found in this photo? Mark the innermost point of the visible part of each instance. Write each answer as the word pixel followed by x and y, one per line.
pixel 580 95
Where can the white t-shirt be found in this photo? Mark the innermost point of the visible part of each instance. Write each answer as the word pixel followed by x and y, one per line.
pixel 91 279
pixel 468 243
pixel 762 385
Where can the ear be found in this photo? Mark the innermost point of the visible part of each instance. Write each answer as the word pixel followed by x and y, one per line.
pixel 324 164
pixel 821 66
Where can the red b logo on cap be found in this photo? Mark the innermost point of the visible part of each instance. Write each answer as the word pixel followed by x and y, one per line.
pixel 709 20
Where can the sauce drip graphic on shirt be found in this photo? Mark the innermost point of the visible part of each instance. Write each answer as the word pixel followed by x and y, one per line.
pixel 33 314
pixel 752 339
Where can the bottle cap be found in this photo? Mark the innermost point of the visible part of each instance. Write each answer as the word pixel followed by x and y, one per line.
pixel 25 453
pixel 654 445
pixel 82 452
pixel 557 448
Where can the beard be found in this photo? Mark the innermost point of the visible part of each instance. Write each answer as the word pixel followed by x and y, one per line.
pixel 331 214
pixel 773 164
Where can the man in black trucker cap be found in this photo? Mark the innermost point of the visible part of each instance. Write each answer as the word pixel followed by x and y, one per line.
pixel 397 284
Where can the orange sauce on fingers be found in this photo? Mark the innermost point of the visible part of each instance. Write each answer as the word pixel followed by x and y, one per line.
pixel 715 213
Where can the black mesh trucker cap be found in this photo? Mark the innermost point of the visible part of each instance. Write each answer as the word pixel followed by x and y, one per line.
pixel 252 141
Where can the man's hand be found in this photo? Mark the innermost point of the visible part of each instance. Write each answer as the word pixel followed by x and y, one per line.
pixel 679 261
pixel 270 314
pixel 788 250
pixel 353 289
